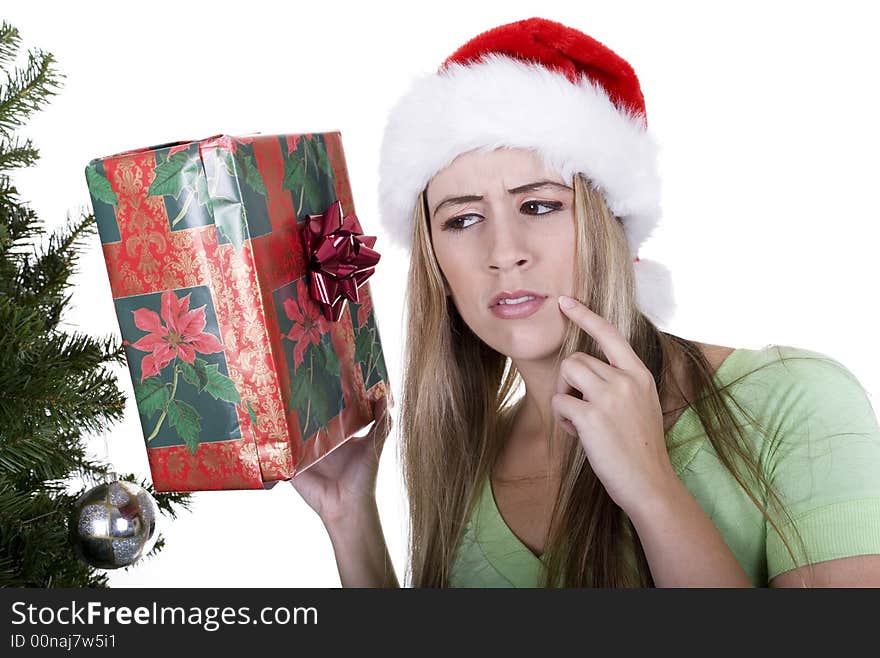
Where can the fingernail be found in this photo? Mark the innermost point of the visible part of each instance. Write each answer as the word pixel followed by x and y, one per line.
pixel 566 302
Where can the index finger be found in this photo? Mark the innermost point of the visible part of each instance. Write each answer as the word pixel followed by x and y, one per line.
pixel 619 352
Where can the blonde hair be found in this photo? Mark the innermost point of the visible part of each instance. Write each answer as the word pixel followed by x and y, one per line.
pixel 456 410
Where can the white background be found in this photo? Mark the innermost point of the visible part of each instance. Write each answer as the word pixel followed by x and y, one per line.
pixel 766 114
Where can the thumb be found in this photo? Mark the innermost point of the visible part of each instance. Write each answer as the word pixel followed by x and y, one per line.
pixel 378 409
pixel 382 427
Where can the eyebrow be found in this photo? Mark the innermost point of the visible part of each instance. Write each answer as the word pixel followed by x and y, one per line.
pixel 452 200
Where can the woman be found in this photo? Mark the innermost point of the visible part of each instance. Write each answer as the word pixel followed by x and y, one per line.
pixel 520 173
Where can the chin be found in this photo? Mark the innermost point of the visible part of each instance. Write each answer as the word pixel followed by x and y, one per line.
pixel 528 346
pixel 520 339
pixel 538 353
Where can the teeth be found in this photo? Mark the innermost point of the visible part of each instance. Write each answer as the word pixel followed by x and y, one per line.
pixel 518 300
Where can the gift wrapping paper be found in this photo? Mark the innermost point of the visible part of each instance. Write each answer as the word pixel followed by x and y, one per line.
pixel 247 321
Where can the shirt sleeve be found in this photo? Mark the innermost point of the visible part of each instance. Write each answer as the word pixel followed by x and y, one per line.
pixel 824 463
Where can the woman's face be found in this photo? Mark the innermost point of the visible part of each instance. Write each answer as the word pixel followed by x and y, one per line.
pixel 511 235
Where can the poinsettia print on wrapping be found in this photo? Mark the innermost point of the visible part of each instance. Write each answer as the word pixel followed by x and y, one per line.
pixel 368 348
pixel 314 373
pixel 182 388
pixel 308 175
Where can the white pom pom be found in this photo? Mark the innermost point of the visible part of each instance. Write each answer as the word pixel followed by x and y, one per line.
pixel 654 291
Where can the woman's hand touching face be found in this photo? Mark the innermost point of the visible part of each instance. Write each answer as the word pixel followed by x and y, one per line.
pixel 614 409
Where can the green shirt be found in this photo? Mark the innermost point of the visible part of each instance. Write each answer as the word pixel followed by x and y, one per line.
pixel 821 453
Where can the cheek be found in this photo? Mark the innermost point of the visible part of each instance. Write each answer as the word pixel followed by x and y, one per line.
pixel 562 244
pixel 455 265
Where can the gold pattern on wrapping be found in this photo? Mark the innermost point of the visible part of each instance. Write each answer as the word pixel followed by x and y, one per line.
pixel 240 310
pixel 143 220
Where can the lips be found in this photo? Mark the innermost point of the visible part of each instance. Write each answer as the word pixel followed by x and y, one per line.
pixel 514 294
pixel 517 311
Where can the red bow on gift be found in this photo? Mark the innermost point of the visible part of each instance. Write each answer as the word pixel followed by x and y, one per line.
pixel 340 257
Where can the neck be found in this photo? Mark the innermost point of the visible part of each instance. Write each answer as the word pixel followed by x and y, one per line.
pixel 535 415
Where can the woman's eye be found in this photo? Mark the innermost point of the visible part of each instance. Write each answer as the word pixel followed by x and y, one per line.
pixel 454 224
pixel 554 205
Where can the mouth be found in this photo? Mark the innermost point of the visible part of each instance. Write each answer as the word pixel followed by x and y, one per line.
pixel 517 307
pixel 514 297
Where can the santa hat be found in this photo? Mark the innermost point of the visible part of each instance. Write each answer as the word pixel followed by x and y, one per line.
pixel 539 85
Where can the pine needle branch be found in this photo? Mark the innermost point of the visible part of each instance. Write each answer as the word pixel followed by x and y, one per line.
pixel 27 91
pixel 15 154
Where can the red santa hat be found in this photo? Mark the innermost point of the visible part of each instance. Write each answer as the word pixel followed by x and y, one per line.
pixel 543 86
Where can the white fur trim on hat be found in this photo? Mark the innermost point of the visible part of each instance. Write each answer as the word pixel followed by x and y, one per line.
pixel 500 101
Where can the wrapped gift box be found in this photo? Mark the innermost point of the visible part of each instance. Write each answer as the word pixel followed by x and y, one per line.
pixel 238 270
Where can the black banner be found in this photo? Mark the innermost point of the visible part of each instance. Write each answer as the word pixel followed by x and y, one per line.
pixel 172 622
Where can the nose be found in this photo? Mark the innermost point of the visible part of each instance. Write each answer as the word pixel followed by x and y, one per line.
pixel 508 246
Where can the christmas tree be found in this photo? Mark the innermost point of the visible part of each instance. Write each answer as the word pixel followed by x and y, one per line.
pixel 55 385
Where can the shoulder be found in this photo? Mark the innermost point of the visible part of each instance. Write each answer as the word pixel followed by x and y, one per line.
pixel 821 418
pixel 795 368
pixel 802 400
pixel 810 378
pixel 812 385
pixel 782 379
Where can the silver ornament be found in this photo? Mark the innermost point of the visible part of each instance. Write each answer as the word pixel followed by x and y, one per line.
pixel 114 524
